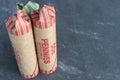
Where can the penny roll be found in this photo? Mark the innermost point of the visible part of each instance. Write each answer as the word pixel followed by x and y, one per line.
pixel 44 23
pixel 21 36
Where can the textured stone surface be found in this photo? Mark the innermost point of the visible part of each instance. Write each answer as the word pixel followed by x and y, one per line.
pixel 88 40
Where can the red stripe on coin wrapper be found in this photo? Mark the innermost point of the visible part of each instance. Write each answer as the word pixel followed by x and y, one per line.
pixel 35 17
pixel 50 8
pixel 45 17
pixel 17 24
pixel 20 26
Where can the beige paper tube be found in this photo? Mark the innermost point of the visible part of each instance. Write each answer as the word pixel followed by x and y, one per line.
pixel 44 22
pixel 21 36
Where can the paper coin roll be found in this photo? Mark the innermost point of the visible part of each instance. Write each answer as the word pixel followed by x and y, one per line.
pixel 20 32
pixel 44 23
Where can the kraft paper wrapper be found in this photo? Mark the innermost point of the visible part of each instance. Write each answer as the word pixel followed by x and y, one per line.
pixel 44 22
pixel 21 36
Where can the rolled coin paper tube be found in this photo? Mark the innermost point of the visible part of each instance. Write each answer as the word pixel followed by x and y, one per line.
pixel 44 23
pixel 21 36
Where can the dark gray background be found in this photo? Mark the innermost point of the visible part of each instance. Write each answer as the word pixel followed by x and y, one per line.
pixel 88 36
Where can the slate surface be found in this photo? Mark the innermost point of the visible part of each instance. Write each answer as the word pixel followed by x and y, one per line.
pixel 88 36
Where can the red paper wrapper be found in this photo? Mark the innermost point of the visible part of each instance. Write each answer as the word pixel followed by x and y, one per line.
pixel 21 36
pixel 44 22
